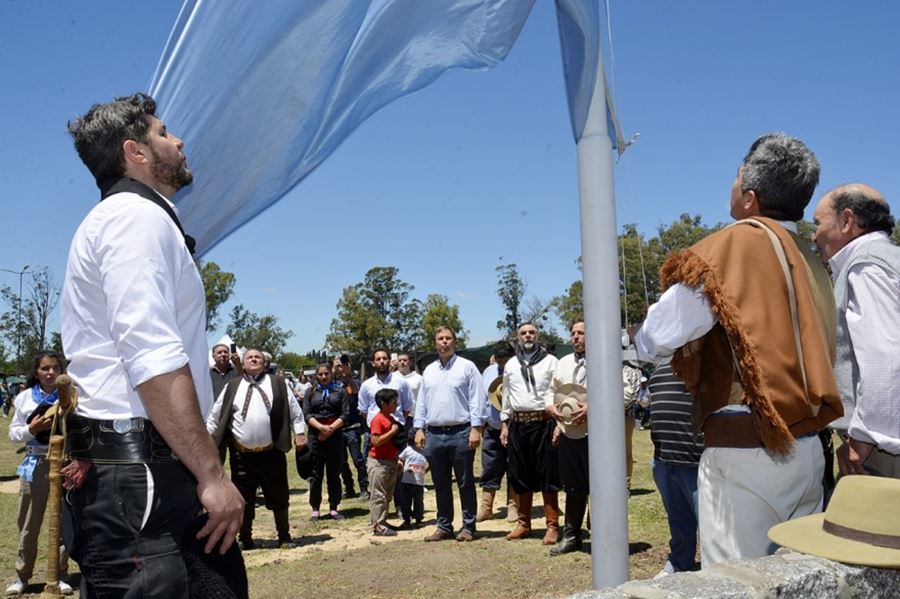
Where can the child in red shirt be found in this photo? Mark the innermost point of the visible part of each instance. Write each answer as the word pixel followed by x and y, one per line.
pixel 382 464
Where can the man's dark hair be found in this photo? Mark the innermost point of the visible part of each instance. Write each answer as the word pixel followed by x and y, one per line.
pixel 100 133
pixel 783 172
pixel 575 321
pixel 872 214
pixel 381 349
pixel 504 349
pixel 385 396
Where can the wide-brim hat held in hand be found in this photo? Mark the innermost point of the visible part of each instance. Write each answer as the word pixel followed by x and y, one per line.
pixel 495 393
pixel 569 398
pixel 861 525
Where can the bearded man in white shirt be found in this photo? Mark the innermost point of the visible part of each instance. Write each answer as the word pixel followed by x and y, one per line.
pixel 254 415
pixel 133 324
pixel 853 227
pixel 526 431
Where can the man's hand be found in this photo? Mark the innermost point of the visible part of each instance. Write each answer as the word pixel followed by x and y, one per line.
pixel 419 440
pixel 225 507
pixel 852 456
pixel 299 441
pixel 504 434
pixel 580 415
pixel 554 413
pixel 632 331
pixel 554 439
pixel 474 438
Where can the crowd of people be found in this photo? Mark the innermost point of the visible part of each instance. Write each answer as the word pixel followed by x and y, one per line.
pixel 759 357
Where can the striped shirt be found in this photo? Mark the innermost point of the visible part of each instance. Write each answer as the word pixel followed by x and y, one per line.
pixel 670 419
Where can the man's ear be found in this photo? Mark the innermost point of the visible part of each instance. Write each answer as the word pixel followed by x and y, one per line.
pixel 134 152
pixel 750 202
pixel 846 220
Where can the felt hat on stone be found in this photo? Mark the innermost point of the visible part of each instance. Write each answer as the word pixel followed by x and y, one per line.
pixel 861 525
pixel 495 392
pixel 568 399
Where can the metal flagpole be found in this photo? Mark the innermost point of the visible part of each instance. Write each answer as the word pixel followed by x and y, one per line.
pixel 606 441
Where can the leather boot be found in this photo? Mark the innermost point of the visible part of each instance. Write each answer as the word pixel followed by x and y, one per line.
pixel 551 515
pixel 571 541
pixel 512 504
pixel 486 509
pixel 523 523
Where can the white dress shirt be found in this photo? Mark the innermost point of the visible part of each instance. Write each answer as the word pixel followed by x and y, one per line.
pixel 520 395
pixel 18 427
pixel 132 308
pixel 255 429
pixel 414 380
pixel 873 321
pixel 450 394
pixel 372 385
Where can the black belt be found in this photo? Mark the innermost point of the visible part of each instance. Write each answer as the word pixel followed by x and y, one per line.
pixel 119 441
pixel 452 428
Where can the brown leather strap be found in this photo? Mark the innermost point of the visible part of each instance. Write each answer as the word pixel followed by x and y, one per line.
pixel 731 430
pixel 853 534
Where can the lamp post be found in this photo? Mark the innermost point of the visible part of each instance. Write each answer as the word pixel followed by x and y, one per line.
pixel 21 273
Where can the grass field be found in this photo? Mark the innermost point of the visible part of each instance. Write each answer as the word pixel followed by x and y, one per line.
pixel 341 558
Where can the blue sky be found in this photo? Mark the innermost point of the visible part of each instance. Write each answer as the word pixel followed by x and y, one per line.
pixel 479 168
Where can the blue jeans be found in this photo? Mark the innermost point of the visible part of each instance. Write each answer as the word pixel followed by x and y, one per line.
pixel 677 484
pixel 448 455
pixel 493 460
pixel 352 442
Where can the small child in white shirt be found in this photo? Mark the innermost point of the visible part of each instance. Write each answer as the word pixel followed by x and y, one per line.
pixel 414 466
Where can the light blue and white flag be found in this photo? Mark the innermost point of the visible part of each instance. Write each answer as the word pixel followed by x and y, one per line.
pixel 263 92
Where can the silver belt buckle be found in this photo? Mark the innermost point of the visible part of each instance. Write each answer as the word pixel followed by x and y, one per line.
pixel 122 425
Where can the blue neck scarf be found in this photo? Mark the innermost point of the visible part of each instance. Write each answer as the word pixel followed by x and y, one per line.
pixel 41 398
pixel 325 389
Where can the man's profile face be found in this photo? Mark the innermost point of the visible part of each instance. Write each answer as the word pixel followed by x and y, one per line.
pixel 220 355
pixel 253 362
pixel 577 333
pixel 527 335
pixel 382 362
pixel 168 165
pixel 737 196
pixel 828 236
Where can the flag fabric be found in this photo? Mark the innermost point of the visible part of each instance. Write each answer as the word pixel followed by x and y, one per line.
pixel 262 93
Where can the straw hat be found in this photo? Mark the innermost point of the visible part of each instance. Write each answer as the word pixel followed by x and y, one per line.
pixel 861 525
pixel 568 399
pixel 495 393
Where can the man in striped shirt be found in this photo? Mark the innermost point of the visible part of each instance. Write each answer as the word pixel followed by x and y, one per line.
pixel 676 456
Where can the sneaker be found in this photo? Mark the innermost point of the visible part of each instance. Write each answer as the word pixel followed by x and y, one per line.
pixel 16 588
pixel 384 531
pixel 314 517
pixel 667 569
pixel 65 588
pixel 336 515
pixel 363 495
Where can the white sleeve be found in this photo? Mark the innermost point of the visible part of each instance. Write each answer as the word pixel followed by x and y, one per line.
pixel 681 315
pixel 297 420
pixel 18 428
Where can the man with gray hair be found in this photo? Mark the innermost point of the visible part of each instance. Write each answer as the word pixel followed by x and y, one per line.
pixel 747 318
pixel 853 224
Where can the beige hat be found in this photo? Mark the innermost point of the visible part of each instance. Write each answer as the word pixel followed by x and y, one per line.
pixel 861 525
pixel 495 393
pixel 568 399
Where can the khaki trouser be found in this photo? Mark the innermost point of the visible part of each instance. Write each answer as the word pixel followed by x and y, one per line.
pixel 382 479
pixel 32 505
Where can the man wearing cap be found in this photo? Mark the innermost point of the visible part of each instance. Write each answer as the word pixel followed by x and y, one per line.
pixel 526 431
pixel 255 415
pixel 571 434
pixel 853 224
pixel 493 453
pixel 448 420
pixel 747 318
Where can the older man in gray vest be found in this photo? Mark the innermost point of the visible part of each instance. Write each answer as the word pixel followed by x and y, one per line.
pixel 853 224
pixel 254 415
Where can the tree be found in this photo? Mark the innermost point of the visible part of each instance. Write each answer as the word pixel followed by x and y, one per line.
pixel 294 361
pixel 255 331
pixel 511 290
pixel 438 312
pixel 570 305
pixel 39 299
pixel 219 286
pixel 378 312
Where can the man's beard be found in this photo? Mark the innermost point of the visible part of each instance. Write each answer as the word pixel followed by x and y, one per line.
pixel 175 175
pixel 529 346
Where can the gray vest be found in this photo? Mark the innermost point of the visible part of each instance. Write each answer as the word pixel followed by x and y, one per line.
pixel 846 370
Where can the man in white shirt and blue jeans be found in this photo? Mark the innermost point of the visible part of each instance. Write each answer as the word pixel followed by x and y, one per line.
pixel 134 328
pixel 853 227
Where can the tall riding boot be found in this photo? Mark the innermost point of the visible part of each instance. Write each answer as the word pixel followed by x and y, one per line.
pixel 486 509
pixel 282 526
pixel 571 541
pixel 551 515
pixel 523 523
pixel 512 504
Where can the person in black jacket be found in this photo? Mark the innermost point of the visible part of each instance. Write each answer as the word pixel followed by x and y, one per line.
pixel 326 408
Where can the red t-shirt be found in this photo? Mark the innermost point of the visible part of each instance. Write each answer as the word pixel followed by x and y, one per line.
pixel 381 425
